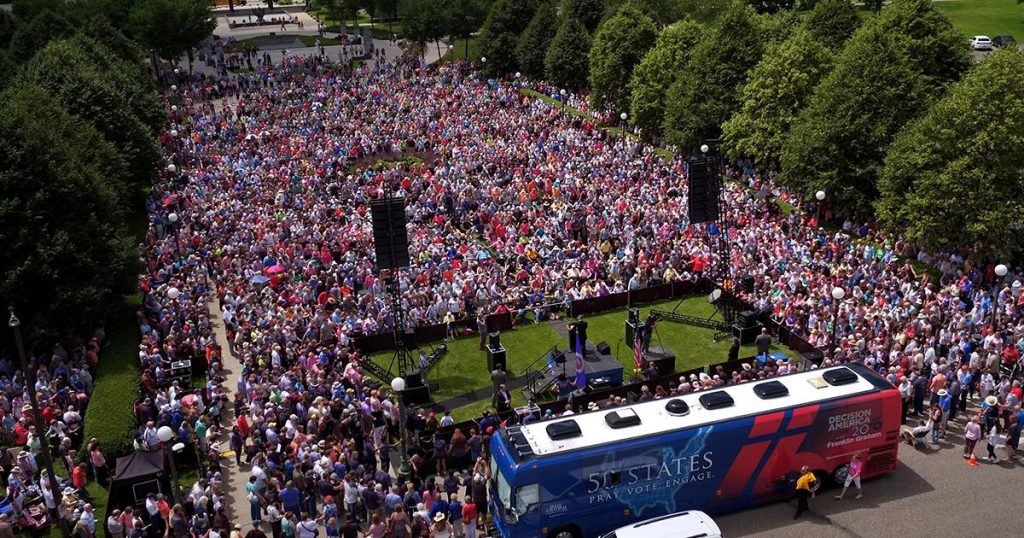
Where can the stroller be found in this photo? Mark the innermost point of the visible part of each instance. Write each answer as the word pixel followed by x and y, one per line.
pixel 33 518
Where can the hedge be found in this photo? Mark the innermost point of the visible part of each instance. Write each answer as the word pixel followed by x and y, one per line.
pixel 110 417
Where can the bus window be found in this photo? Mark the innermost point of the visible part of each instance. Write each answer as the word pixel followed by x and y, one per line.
pixel 504 490
pixel 527 498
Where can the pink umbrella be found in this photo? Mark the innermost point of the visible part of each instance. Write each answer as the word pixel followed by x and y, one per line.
pixel 274 269
pixel 188 400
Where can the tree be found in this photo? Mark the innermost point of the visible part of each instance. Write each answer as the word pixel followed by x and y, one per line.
pixel 838 141
pixel 704 95
pixel 8 69
pixel 778 89
pixel 588 12
pixel 343 11
pixel 103 32
pixel 170 28
pixel 26 10
pixel 500 33
pixel 705 11
pixel 533 43
pixel 67 257
pixel 37 32
pixel 7 27
pixel 776 27
pixel 87 91
pixel 417 20
pixel 620 43
pixel 888 73
pixel 832 22
pixel 566 61
pixel 771 6
pixel 656 72
pixel 464 19
pixel 956 175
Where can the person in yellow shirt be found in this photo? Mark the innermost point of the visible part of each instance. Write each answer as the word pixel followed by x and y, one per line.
pixel 805 486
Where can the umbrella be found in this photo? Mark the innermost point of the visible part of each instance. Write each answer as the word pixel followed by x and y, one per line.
pixel 259 279
pixel 274 269
pixel 171 200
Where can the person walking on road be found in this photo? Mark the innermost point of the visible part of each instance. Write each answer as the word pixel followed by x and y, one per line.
pixel 972 432
pixel 804 490
pixel 853 476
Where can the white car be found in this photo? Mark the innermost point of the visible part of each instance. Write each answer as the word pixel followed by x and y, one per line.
pixel 678 525
pixel 981 42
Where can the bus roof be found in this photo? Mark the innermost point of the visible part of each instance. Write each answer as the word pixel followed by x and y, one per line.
pixel 703 407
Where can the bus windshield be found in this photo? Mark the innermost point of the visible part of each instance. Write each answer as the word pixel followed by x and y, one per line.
pixel 501 485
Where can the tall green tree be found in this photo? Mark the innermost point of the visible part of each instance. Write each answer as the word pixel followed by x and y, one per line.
pixel 771 6
pixel 658 69
pixel 533 43
pixel 418 21
pixel 170 28
pixel 7 27
pixel 26 10
pixel 776 27
pixel 779 87
pixel 705 94
pixel 620 43
pixel 33 35
pixel 956 175
pixel 464 19
pixel 588 12
pixel 838 141
pixel 500 33
pixel 8 69
pixel 87 90
pixel 128 78
pixel 832 21
pixel 566 60
pixel 67 257
pixel 888 73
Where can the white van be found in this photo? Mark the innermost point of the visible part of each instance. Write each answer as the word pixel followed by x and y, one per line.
pixel 690 524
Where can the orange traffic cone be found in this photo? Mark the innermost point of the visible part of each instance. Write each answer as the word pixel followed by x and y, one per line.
pixel 972 461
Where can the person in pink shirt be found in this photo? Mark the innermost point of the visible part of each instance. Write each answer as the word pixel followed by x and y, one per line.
pixel 853 472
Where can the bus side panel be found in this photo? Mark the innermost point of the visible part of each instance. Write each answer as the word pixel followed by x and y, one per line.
pixel 639 480
pixel 824 437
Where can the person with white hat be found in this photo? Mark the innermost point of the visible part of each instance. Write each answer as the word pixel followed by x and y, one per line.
pixel 441 527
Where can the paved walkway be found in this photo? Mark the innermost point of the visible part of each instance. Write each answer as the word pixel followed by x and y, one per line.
pixel 234 477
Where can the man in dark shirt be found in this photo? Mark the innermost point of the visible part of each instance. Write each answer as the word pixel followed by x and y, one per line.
pixel 734 349
pixel 763 342
pixel 255 532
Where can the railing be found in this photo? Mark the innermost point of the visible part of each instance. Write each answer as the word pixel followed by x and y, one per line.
pixel 534 374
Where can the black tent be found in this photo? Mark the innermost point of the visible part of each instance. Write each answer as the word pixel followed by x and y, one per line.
pixel 138 474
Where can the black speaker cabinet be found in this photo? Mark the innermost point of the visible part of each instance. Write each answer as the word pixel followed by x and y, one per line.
pixel 416 396
pixel 664 362
pixel 631 331
pixel 603 348
pixel 496 358
pixel 391 240
pixel 494 339
pixel 746 333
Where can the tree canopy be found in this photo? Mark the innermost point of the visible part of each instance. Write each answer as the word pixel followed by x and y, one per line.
pixel 33 35
pixel 956 175
pixel 500 33
pixel 832 22
pixel 588 12
pixel 171 27
pixel 566 61
pixel 620 43
pixel 778 89
pixel 533 43
pixel 658 69
pixel 704 95
pixel 67 256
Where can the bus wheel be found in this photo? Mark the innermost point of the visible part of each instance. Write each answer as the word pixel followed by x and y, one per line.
pixel 565 532
pixel 819 481
pixel 839 475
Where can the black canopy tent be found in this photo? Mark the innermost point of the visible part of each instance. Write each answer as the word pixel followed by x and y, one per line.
pixel 137 475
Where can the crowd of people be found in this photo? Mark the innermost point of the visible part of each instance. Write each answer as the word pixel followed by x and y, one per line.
pixel 513 205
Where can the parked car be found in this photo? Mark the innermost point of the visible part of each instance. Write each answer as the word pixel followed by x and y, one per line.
pixel 981 42
pixel 687 524
pixel 1001 41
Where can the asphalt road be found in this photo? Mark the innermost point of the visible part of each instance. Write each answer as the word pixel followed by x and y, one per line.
pixel 933 493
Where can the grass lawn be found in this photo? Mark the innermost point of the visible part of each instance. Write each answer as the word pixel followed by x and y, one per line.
pixel 465 367
pixel 458 50
pixel 985 17
pixel 693 346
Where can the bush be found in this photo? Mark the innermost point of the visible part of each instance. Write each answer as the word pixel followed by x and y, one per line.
pixel 110 416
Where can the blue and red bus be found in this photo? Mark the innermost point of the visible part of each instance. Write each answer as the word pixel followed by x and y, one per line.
pixel 719 450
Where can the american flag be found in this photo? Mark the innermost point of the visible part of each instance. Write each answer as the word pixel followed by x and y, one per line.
pixel 638 349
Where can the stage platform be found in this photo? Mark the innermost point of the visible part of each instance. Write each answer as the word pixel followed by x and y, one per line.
pixel 603 370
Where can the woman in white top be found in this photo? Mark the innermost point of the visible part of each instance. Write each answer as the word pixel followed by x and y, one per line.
pixel 307 528
pixel 441 528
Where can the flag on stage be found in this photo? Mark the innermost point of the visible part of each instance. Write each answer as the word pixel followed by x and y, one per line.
pixel 581 372
pixel 638 349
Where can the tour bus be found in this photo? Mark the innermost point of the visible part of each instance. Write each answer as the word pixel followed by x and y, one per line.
pixel 583 475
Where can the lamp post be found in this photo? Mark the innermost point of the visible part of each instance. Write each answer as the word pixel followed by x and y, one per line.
pixel 837 294
pixel 398 385
pixel 704 149
pixel 820 196
pixel 518 76
pixel 483 62
pixel 623 117
pixel 37 416
pixel 171 168
pixel 1001 271
pixel 562 93
pixel 165 434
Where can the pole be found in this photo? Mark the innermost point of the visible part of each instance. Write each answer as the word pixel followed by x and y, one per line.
pixel 30 379
pixel 995 305
pixel 169 454
pixel 404 468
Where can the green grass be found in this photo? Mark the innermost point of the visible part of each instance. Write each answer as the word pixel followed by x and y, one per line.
pixel 458 50
pixel 985 17
pixel 465 367
pixel 693 347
